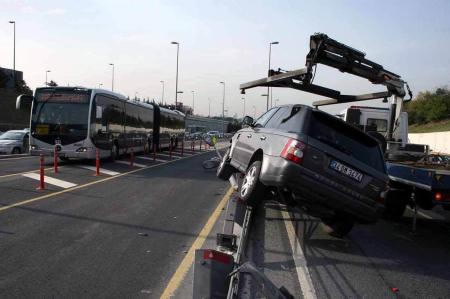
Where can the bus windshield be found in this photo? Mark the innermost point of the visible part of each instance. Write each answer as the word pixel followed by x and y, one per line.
pixel 61 113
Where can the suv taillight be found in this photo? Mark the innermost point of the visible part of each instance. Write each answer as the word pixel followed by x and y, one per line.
pixel 293 151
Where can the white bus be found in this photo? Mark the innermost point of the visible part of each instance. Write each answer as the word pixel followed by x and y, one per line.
pixel 78 121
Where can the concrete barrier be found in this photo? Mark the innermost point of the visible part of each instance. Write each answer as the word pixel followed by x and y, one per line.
pixel 438 141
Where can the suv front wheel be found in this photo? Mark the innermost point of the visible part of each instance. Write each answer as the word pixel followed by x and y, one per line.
pixel 225 170
pixel 251 189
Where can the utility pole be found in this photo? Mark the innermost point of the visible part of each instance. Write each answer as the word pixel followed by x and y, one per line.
pixel 162 97
pixel 176 80
pixel 209 107
pixel 268 72
pixel 14 53
pixel 243 98
pixel 46 81
pixel 223 107
pixel 112 83
pixel 193 103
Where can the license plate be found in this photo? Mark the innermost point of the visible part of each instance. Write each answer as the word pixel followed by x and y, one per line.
pixel 345 170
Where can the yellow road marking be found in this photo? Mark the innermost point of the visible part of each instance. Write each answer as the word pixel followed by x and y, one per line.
pixel 186 263
pixel 19 173
pixel 86 185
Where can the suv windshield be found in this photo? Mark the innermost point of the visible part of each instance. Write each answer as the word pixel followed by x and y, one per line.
pixel 12 136
pixel 346 139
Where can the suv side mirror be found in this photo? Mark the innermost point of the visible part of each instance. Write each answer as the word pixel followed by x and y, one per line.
pixel 23 102
pixel 248 121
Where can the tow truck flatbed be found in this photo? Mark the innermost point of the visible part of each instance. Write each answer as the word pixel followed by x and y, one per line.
pixel 434 183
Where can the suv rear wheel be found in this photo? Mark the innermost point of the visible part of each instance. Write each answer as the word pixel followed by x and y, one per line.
pixel 251 189
pixel 339 225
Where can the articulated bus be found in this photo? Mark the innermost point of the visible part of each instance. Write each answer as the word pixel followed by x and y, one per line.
pixel 77 121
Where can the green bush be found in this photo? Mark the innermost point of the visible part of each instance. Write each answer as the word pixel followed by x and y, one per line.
pixel 429 106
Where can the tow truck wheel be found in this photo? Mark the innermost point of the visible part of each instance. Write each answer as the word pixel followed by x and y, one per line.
pixel 251 189
pixel 225 170
pixel 339 226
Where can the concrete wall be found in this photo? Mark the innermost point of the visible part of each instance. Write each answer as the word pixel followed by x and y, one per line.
pixel 209 124
pixel 438 141
pixel 10 118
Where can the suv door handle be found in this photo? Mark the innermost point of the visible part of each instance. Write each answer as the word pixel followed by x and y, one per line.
pixel 262 138
pixel 249 136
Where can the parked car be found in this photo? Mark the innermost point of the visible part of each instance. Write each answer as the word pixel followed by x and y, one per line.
pixel 333 170
pixel 14 142
pixel 197 135
pixel 213 134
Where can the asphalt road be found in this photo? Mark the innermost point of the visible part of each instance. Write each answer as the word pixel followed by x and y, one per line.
pixel 127 234
pixel 385 260
pixel 109 236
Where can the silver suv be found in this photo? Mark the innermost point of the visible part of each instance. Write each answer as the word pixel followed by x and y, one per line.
pixel 332 169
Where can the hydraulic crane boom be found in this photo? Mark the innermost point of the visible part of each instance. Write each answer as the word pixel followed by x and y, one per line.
pixel 327 51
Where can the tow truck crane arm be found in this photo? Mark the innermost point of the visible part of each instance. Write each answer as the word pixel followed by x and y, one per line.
pixel 327 51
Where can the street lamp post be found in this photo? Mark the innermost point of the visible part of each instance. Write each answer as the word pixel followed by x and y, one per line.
pixel 193 103
pixel 112 82
pixel 276 102
pixel 209 107
pixel 268 72
pixel 100 85
pixel 14 53
pixel 176 80
pixel 162 97
pixel 244 105
pixel 254 111
pixel 46 81
pixel 223 107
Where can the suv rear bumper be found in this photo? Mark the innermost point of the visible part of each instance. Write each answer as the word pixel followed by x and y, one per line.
pixel 312 189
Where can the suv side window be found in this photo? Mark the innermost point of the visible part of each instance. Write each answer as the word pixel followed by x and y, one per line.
pixel 275 121
pixel 262 120
pixel 285 119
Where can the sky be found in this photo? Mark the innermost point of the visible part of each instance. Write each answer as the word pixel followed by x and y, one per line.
pixel 220 41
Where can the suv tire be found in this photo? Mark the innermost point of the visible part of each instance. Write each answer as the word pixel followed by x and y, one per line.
pixel 339 225
pixel 251 189
pixel 225 170
pixel 16 151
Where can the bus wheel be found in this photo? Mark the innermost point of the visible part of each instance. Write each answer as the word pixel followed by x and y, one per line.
pixel 114 152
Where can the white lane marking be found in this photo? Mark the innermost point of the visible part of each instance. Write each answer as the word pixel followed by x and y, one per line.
pixel 151 159
pixel 102 170
pixel 420 213
pixel 303 275
pixel 128 163
pixel 167 155
pixel 50 180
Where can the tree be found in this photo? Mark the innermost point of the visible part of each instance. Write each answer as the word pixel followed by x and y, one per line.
pixel 52 83
pixel 23 88
pixel 429 106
